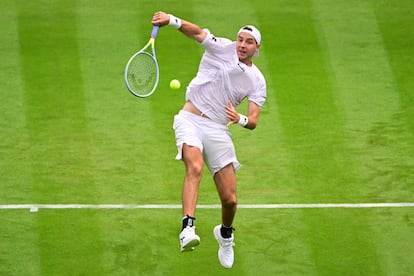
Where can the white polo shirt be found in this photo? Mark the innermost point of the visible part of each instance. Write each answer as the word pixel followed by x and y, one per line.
pixel 222 77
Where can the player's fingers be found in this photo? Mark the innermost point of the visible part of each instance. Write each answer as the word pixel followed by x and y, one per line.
pixel 230 105
pixel 160 19
pixel 229 124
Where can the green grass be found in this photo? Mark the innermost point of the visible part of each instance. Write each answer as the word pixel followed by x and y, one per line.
pixel 337 127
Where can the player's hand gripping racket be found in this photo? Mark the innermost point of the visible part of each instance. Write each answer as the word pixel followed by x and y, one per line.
pixel 142 72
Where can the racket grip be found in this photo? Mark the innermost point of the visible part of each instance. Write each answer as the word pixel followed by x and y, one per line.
pixel 154 31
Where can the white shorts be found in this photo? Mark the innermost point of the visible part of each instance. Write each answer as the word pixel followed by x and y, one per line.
pixel 213 140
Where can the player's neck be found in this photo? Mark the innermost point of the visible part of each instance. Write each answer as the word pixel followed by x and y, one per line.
pixel 249 62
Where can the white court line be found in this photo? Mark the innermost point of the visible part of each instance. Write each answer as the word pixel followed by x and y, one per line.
pixel 204 206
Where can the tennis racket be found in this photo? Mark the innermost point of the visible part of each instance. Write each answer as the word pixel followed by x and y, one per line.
pixel 142 71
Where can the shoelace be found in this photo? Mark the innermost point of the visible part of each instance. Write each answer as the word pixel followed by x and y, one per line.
pixel 227 244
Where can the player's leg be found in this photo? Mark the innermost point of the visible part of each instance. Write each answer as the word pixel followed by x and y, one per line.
pixel 193 160
pixel 220 157
pixel 225 180
pixel 186 134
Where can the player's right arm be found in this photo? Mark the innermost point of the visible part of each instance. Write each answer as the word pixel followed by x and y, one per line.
pixel 191 30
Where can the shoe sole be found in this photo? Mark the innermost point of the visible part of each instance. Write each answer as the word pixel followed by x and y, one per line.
pixel 190 245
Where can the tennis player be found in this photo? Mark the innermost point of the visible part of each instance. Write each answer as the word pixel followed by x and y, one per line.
pixel 226 76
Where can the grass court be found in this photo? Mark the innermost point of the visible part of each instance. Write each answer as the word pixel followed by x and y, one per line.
pixel 337 128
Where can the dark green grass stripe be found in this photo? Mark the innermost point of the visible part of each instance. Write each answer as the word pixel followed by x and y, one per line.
pixel 53 98
pixel 55 119
pixel 365 87
pixel 396 23
pixel 368 95
pixel 314 134
pixel 13 136
pixel 18 240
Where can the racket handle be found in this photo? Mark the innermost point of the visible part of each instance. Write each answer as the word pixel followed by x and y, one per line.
pixel 154 31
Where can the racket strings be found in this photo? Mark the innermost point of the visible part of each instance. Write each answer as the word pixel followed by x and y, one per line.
pixel 142 74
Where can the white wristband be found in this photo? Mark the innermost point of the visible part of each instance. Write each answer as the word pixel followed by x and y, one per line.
pixel 174 21
pixel 243 120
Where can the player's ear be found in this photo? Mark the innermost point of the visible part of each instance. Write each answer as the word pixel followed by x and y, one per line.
pixel 257 50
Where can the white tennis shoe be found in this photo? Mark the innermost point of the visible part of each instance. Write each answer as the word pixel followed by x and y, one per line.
pixel 188 239
pixel 225 252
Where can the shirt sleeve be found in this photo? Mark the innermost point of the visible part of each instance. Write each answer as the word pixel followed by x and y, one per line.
pixel 218 46
pixel 259 95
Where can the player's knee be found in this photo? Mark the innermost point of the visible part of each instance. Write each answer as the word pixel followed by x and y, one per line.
pixel 195 170
pixel 229 201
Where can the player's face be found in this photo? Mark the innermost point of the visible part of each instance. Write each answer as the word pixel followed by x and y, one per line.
pixel 246 46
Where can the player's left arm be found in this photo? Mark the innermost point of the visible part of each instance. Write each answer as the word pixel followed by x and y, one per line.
pixel 253 112
pixel 250 121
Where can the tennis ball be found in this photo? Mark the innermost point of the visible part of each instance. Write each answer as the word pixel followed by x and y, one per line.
pixel 175 84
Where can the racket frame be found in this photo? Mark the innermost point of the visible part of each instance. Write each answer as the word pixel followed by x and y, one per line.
pixel 153 56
